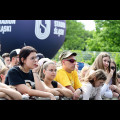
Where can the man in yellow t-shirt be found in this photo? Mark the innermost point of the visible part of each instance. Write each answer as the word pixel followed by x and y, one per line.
pixel 67 76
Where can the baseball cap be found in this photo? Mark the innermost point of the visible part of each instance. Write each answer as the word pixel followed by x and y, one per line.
pixel 66 54
pixel 14 53
pixel 43 60
pixel 40 55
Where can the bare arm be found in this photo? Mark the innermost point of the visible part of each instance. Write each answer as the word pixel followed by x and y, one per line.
pixel 14 95
pixel 31 92
pixel 38 83
pixel 71 88
pixel 65 91
pixel 109 76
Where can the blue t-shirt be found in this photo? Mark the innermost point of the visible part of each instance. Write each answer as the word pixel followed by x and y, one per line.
pixel 16 76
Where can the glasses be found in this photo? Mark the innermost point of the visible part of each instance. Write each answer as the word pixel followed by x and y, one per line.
pixel 112 67
pixel 71 60
pixel 34 58
pixel 52 70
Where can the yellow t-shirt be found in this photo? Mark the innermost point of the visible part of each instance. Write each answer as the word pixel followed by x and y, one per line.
pixel 66 79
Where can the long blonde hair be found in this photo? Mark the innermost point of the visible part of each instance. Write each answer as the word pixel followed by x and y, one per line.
pixel 44 66
pixel 98 63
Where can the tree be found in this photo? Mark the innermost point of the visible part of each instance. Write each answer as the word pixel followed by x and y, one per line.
pixel 75 35
pixel 106 37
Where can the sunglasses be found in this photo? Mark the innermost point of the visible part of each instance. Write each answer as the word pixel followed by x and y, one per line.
pixel 118 76
pixel 71 60
pixel 112 67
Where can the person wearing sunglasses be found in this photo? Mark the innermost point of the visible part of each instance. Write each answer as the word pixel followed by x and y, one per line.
pixel 107 91
pixel 67 75
pixel 116 86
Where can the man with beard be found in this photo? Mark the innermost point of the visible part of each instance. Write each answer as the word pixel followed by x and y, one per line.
pixel 67 75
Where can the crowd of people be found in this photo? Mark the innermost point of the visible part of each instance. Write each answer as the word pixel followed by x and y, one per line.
pixel 26 74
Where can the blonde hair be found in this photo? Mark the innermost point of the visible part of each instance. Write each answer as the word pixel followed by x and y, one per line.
pixel 44 66
pixel 97 75
pixel 98 63
pixel 3 72
pixel 2 65
pixel 85 68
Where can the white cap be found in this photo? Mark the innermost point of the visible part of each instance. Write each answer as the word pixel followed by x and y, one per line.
pixel 42 60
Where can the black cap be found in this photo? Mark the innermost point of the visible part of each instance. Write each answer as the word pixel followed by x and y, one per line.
pixel 14 53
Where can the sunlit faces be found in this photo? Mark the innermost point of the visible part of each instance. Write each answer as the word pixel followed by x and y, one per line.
pixel 69 63
pixel 106 62
pixel 99 83
pixel 31 61
pixel 50 72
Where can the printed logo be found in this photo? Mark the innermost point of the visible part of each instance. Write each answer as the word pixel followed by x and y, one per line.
pixel 42 31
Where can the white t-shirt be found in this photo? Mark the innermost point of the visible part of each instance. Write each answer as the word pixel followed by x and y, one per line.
pixel 105 90
pixel 90 92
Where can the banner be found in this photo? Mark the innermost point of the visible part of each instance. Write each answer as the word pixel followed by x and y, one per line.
pixel 46 36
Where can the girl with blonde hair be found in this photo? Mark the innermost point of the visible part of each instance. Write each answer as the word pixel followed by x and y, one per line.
pixel 102 61
pixel 49 71
pixel 83 72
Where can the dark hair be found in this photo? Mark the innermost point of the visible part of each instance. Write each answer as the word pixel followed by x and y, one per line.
pixel 114 74
pixel 25 52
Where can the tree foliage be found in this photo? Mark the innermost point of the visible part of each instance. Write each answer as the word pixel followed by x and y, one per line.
pixel 106 37
pixel 75 35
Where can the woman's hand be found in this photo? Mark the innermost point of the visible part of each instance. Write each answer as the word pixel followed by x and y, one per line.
pixel 113 87
pixel 36 69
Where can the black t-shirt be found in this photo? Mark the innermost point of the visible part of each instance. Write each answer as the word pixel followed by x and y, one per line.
pixel 16 76
pixel 54 83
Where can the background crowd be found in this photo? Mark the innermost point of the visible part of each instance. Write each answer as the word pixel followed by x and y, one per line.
pixel 26 74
